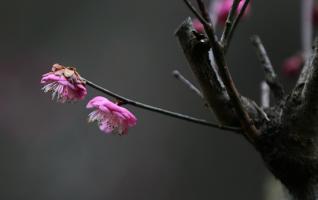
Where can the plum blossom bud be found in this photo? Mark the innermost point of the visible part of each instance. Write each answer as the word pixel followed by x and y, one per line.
pixel 292 65
pixel 110 116
pixel 198 26
pixel 65 84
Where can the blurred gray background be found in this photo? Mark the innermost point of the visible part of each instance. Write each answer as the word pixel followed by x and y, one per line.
pixel 49 152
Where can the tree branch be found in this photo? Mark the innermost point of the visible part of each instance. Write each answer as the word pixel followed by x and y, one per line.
pixel 287 140
pixel 204 11
pixel 270 75
pixel 125 100
pixel 207 26
pixel 228 39
pixel 186 82
pixel 309 108
pixel 251 132
pixel 229 22
pixel 246 122
pixel 212 90
pixel 196 51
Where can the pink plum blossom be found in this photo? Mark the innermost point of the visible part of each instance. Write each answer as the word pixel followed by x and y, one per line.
pixel 110 116
pixel 65 84
pixel 223 7
pixel 292 65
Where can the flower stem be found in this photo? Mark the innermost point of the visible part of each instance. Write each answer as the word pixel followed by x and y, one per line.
pixel 160 110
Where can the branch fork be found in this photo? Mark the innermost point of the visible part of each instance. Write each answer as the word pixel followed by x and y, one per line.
pixel 286 132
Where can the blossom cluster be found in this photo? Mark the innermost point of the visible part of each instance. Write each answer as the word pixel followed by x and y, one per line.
pixel 67 85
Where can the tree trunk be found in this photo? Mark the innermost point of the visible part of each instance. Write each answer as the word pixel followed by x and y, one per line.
pixel 288 139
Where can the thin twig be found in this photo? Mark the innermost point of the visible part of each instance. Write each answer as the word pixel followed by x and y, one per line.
pixel 227 40
pixel 207 25
pixel 125 100
pixel 196 13
pixel 229 21
pixel 250 131
pixel 204 11
pixel 260 111
pixel 265 95
pixel 270 75
pixel 186 82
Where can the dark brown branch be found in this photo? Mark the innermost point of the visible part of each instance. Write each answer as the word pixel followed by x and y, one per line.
pixel 270 75
pixel 227 40
pixel 250 131
pixel 215 94
pixel 204 11
pixel 246 122
pixel 229 22
pixel 125 100
pixel 288 143
pixel 196 51
pixel 207 26
pixel 196 13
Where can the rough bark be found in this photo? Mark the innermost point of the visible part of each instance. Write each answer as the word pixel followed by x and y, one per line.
pixel 196 50
pixel 288 140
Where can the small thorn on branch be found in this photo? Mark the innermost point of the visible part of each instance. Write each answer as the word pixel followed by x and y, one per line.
pixel 186 82
pixel 270 75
